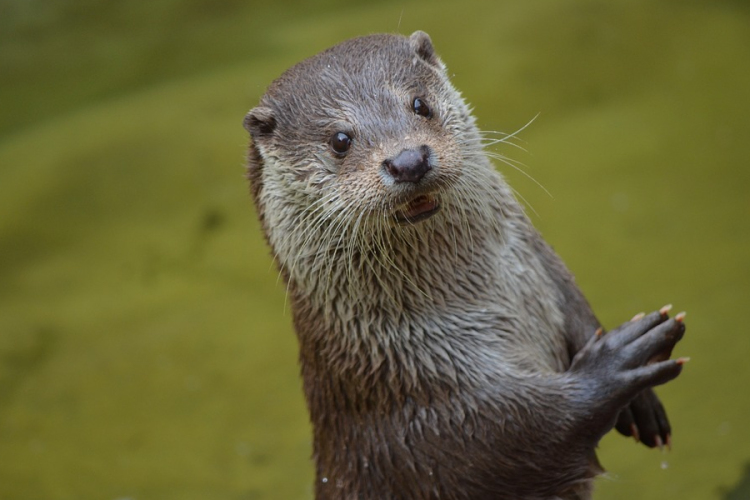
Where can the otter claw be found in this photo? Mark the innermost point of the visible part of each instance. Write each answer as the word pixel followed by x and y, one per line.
pixel 634 433
pixel 628 362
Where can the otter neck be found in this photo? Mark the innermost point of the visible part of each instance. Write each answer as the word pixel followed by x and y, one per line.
pixel 403 268
pixel 400 323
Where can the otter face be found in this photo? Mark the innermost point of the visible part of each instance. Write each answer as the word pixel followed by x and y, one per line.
pixel 366 137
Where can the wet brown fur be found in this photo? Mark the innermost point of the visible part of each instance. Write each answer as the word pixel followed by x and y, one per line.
pixel 436 358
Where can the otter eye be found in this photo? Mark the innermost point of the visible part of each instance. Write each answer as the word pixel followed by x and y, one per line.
pixel 421 108
pixel 340 143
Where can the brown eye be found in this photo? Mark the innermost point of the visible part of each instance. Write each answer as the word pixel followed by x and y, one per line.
pixel 421 108
pixel 340 143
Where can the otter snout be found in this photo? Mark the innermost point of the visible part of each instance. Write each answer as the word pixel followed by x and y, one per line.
pixel 410 165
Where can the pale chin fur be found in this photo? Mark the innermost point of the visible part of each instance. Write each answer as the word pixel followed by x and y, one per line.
pixel 368 266
pixel 337 244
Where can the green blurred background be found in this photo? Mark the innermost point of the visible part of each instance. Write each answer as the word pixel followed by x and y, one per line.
pixel 146 350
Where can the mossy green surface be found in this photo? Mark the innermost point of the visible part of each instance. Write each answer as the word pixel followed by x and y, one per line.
pixel 146 350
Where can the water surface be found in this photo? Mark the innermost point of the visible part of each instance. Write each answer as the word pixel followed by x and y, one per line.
pixel 145 346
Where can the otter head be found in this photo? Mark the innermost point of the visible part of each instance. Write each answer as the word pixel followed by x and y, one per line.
pixel 359 145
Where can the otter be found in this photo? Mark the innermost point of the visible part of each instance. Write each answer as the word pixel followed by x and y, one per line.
pixel 445 349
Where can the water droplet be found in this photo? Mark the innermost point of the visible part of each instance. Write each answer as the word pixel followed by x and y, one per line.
pixel 724 428
pixel 620 202
pixel 242 449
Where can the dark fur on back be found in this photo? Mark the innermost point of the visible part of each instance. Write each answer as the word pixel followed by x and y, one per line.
pixel 442 359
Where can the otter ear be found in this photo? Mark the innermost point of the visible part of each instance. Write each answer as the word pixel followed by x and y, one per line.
pixel 260 122
pixel 422 45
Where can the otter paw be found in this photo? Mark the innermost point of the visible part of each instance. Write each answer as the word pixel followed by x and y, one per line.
pixel 630 359
pixel 645 420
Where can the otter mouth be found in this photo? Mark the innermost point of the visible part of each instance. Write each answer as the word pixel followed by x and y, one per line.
pixel 420 208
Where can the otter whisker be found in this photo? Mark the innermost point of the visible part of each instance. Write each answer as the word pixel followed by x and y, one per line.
pixel 506 161
pixel 453 236
pixel 487 142
pixel 494 154
pixel 384 253
pixel 515 134
pixel 312 221
pixel 340 227
pixel 525 201
pixel 464 213
pixel 317 257
pixel 357 243
pixel 376 251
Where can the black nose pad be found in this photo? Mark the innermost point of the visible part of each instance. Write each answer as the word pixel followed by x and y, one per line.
pixel 410 165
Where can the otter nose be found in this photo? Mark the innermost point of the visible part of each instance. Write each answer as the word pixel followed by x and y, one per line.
pixel 410 165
